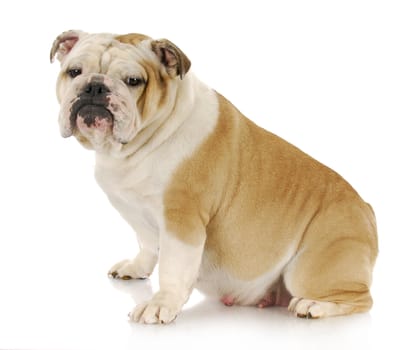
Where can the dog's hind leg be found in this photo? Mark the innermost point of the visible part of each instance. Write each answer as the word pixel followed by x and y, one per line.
pixel 332 271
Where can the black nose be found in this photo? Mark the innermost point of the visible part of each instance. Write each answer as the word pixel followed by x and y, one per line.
pixel 95 89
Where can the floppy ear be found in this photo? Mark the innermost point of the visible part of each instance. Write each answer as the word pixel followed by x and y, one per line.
pixel 64 43
pixel 172 57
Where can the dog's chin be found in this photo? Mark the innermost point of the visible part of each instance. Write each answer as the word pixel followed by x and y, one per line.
pixel 93 125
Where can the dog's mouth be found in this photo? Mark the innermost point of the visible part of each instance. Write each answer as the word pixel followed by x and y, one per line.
pixel 94 113
pixel 85 114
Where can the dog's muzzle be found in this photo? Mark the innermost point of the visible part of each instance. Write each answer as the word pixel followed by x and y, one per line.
pixel 91 105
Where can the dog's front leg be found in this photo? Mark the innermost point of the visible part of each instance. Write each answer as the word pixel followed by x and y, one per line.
pixel 179 264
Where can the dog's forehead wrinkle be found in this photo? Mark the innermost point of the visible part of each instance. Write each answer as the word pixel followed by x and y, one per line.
pixel 124 62
pixel 105 61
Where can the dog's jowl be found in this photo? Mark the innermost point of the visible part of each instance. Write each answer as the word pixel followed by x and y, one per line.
pixel 222 204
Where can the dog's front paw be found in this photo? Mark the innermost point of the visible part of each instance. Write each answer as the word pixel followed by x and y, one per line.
pixel 139 268
pixel 163 308
pixel 128 269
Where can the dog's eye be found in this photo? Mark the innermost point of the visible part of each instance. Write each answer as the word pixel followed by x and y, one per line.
pixel 133 81
pixel 74 72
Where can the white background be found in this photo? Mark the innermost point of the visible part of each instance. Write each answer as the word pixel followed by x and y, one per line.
pixel 333 77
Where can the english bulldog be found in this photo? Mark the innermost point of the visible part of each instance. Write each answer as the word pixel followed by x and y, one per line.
pixel 222 204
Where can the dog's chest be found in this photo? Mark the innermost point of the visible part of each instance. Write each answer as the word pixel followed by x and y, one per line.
pixel 135 185
pixel 135 191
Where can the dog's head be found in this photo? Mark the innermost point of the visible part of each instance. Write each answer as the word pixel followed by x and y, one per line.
pixel 112 86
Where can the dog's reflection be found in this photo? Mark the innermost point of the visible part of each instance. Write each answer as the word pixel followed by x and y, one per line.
pixel 139 289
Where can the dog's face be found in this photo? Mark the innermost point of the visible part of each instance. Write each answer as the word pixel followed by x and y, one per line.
pixel 110 87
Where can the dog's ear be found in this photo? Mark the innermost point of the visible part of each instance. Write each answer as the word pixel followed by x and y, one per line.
pixel 172 57
pixel 64 43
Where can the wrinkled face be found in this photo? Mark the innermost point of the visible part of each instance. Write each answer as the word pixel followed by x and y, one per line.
pixel 110 87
